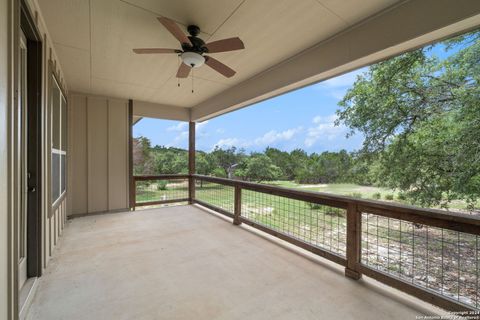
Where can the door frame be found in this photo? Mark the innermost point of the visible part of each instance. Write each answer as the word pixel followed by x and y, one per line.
pixel 35 115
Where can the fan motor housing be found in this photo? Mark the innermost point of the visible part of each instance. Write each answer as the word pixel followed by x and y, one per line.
pixel 198 45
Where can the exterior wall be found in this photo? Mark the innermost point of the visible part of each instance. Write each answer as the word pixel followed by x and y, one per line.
pixel 52 219
pixel 98 148
pixel 6 223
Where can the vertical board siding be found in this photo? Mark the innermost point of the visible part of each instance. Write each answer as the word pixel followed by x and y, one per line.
pixel 98 154
pixel 97 133
pixel 77 151
pixel 117 151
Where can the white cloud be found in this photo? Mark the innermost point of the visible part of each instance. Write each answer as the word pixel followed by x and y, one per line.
pixel 268 138
pixel 200 129
pixel 325 119
pixel 345 80
pixel 200 125
pixel 231 142
pixel 274 136
pixel 181 137
pixel 338 86
pixel 324 129
pixel 178 127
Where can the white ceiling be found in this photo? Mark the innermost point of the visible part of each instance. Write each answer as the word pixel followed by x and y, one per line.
pixel 94 41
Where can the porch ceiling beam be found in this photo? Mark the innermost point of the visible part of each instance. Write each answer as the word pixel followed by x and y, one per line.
pixel 160 111
pixel 407 26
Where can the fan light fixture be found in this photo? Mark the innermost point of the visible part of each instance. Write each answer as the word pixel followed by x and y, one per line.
pixel 192 59
pixel 194 49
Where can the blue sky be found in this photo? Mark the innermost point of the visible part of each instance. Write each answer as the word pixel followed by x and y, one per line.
pixel 300 119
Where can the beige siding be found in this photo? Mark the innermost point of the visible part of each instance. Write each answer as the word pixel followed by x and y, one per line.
pixel 77 154
pixel 117 154
pixel 98 147
pixel 97 154
pixel 6 305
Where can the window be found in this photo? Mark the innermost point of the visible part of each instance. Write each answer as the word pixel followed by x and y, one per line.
pixel 59 141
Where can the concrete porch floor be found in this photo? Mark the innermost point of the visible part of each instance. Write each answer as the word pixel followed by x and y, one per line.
pixel 184 263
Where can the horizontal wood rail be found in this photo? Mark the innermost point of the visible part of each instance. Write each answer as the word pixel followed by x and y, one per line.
pixel 350 212
pixel 161 177
pixel 432 217
pixel 354 210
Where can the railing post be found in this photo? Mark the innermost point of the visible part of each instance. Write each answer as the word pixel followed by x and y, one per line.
pixel 191 162
pixel 131 180
pixel 237 210
pixel 354 238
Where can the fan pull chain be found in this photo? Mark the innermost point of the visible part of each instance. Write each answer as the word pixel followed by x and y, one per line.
pixel 179 64
pixel 192 80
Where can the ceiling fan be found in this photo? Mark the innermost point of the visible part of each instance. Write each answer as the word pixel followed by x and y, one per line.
pixel 194 49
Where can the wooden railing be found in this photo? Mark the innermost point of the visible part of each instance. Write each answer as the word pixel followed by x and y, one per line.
pixel 431 254
pixel 160 189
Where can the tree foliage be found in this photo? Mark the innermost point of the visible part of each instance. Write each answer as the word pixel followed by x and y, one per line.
pixel 420 116
pixel 258 167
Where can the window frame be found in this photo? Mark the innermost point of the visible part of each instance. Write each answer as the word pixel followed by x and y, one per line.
pixel 62 165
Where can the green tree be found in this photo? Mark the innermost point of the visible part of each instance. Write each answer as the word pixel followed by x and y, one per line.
pixel 283 161
pixel 420 116
pixel 258 167
pixel 143 162
pixel 226 158
pixel 203 163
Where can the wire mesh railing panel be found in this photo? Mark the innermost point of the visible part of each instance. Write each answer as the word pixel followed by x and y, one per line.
pixel 443 261
pixel 319 225
pixel 160 190
pixel 215 194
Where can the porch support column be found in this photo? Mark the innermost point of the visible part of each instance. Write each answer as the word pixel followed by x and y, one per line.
pixel 131 181
pixel 191 161
pixel 354 240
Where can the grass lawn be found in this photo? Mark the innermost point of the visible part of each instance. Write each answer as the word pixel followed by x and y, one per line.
pixel 175 190
pixel 366 192
pixel 347 189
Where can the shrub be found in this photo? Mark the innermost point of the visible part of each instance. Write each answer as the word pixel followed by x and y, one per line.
pixel 355 194
pixel 335 212
pixel 389 197
pixel 162 185
pixel 219 172
pixel 401 196
pixel 377 196
pixel 314 206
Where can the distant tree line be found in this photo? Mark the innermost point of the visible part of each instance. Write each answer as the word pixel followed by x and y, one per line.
pixel 272 164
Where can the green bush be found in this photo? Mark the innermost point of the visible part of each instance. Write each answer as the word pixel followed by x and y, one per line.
pixel 389 197
pixel 162 185
pixel 219 172
pixel 377 196
pixel 335 212
pixel 355 194
pixel 401 196
pixel 314 206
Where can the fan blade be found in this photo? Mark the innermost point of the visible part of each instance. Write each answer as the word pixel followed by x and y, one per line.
pixel 174 30
pixel 219 67
pixel 155 50
pixel 229 44
pixel 183 71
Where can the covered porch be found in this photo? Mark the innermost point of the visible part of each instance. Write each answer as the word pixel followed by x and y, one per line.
pixel 185 262
pixel 75 243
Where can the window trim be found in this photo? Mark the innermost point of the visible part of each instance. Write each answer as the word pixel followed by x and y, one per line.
pixel 63 99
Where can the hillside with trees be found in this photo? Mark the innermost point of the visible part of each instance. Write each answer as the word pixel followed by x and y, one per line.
pixel 272 164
